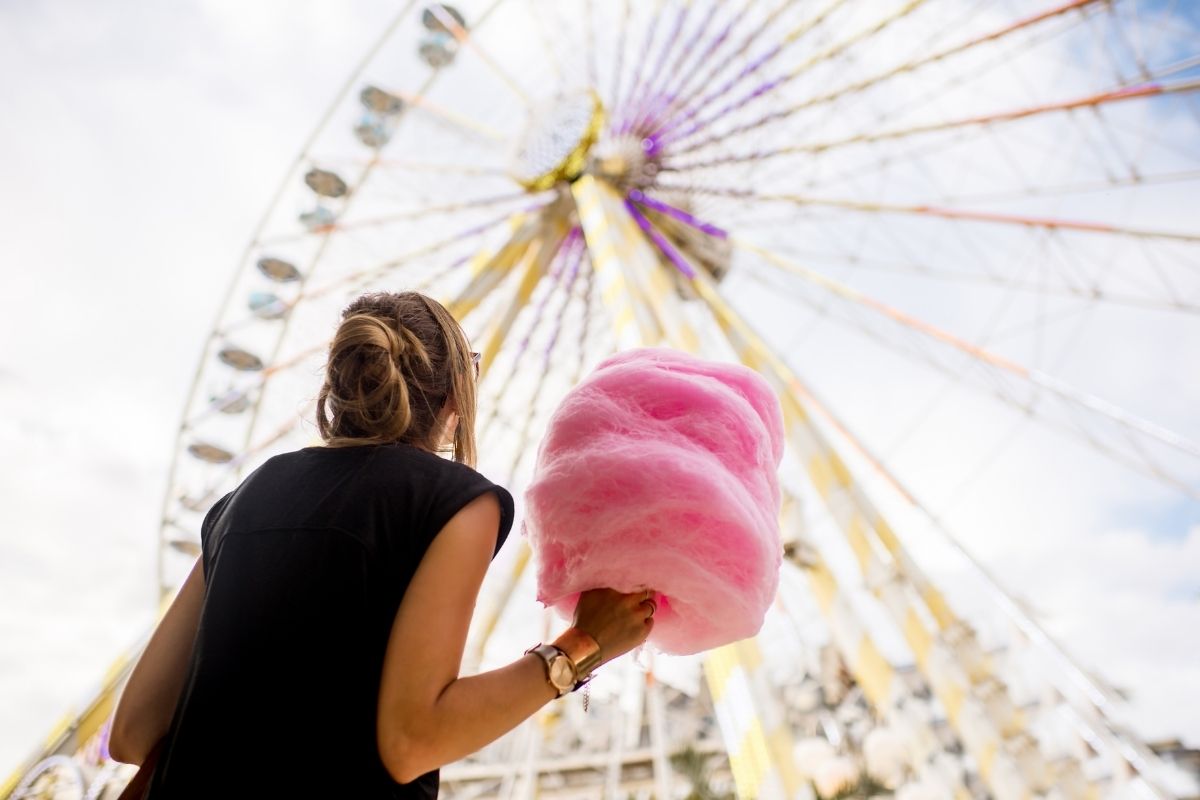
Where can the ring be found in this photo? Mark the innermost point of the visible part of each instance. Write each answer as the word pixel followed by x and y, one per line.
pixel 653 606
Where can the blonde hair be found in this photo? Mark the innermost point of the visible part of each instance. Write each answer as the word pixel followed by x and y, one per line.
pixel 397 358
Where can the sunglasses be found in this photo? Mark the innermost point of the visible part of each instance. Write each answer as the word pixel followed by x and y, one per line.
pixel 475 359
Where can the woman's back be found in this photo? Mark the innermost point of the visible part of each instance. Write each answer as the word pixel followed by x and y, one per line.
pixel 305 566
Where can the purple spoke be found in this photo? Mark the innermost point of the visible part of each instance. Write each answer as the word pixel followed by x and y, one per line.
pixel 637 73
pixel 844 91
pixel 825 55
pixel 567 287
pixel 657 92
pixel 660 241
pixel 729 108
pixel 678 213
pixel 666 136
pixel 729 58
pixel 663 135
pixel 535 322
pixel 638 98
pixel 576 243
pixel 672 97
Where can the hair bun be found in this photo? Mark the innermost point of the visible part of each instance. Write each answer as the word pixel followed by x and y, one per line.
pixel 395 362
pixel 365 380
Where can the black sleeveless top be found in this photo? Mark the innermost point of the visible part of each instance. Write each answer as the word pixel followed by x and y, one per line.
pixel 305 564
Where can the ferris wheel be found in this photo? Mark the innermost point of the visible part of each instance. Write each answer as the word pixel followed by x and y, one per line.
pixel 812 188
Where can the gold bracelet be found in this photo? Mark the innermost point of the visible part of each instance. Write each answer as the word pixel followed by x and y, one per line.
pixel 581 648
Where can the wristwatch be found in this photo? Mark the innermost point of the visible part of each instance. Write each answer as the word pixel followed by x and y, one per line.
pixel 560 669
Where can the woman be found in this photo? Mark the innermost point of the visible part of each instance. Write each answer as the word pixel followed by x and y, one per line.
pixel 314 649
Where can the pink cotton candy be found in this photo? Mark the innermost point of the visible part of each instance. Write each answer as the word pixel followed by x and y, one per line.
pixel 659 471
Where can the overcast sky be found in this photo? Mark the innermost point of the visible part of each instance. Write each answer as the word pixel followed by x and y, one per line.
pixel 140 143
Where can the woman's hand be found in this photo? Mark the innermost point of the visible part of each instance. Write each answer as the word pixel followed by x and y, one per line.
pixel 618 622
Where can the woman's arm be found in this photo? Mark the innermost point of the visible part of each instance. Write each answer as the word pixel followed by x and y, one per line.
pixel 428 716
pixel 149 698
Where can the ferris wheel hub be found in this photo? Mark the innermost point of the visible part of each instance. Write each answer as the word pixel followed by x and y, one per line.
pixel 625 161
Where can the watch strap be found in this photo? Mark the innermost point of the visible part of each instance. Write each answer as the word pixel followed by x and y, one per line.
pixel 548 652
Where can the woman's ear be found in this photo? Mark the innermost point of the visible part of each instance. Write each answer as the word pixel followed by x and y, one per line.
pixel 448 419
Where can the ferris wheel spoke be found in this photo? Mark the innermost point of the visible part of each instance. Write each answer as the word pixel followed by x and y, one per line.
pixel 915 153
pixel 373 273
pixel 997 368
pixel 668 121
pixel 1175 67
pixel 656 90
pixel 881 77
pixel 569 254
pixel 956 137
pixel 585 323
pixel 637 71
pixel 489 268
pixel 404 216
pixel 538 254
pixel 683 90
pixel 1048 223
pixel 455 118
pixel 1125 181
pixel 466 39
pixel 1003 59
pixel 670 133
pixel 1085 15
pixel 637 96
pixel 527 432
pixel 1147 138
pixel 1115 36
pixel 1088 101
pixel 547 41
pixel 619 56
pixel 416 166
pixel 576 260
pixel 1034 406
pixel 1068 289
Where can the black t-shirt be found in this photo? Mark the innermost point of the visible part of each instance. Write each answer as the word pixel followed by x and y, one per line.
pixel 305 564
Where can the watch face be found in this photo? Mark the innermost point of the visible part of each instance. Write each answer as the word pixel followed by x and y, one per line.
pixel 561 674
